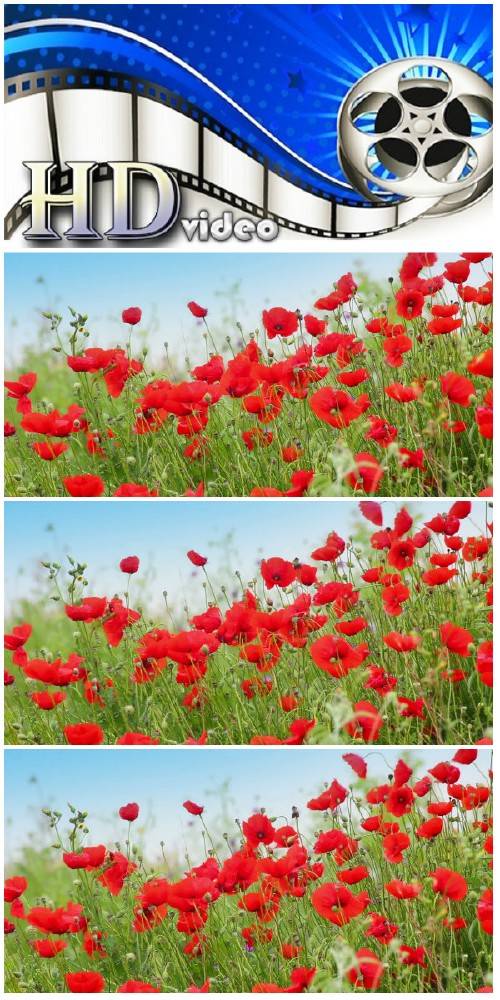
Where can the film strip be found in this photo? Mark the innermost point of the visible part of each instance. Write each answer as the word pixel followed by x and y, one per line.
pixel 62 115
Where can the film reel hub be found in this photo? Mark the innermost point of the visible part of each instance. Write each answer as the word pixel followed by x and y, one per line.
pixel 419 128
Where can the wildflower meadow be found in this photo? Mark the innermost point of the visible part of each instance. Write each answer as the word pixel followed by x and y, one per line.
pixel 372 388
pixel 384 635
pixel 379 882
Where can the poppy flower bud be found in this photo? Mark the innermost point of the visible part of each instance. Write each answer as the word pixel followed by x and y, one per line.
pixel 132 315
pixel 129 812
pixel 130 564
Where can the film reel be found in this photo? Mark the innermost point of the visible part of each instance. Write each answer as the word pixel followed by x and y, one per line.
pixel 419 128
pixel 96 115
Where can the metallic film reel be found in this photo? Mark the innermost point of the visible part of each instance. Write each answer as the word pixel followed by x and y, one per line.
pixel 419 128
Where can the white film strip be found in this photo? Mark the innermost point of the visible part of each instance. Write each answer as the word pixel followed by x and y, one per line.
pixel 63 115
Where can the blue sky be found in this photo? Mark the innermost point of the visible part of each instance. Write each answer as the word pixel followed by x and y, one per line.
pixel 103 284
pixel 101 780
pixel 233 534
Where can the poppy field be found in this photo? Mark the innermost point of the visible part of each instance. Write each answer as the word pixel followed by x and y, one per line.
pixel 379 882
pixel 373 388
pixel 384 635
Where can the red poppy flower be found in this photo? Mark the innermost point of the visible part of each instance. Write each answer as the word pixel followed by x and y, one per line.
pixel 197 311
pixel 395 348
pixel 129 812
pixel 409 303
pixel 457 639
pixel 90 609
pixel 368 970
pixel 372 511
pixel 457 271
pixel 193 808
pixel 331 798
pixel 380 928
pixel 367 474
pixel 210 372
pixel 137 986
pixel 67 919
pixel 258 829
pixel 393 846
pixel 335 655
pixel 129 565
pixel 277 572
pixel 84 982
pixel 445 772
pixel 21 389
pixel 485 911
pixel 329 840
pixel 381 431
pixel 335 407
pixel 337 904
pixel 437 577
pixel 47 700
pixel 331 550
pixel 18 637
pixel 394 597
pixel 475 258
pixel 401 643
pixel 412 460
pixel 413 956
pixel 357 763
pixel 351 876
pixel 404 393
pixel 440 808
pixel 136 739
pixel 54 423
pixel 399 801
pixel 430 828
pixel 279 322
pixel 353 378
pixel 88 858
pixel 48 949
pixel 444 324
pixel 291 453
pixel 196 559
pixel 132 315
pixel 119 868
pixel 449 884
pixel 465 756
pixel 401 554
pixel 49 450
pixel 134 490
pixel 366 722
pixel 482 364
pixel 14 888
pixel 84 734
pixel 314 326
pixel 403 890
pixel 84 485
pixel 457 388
pixel 422 787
